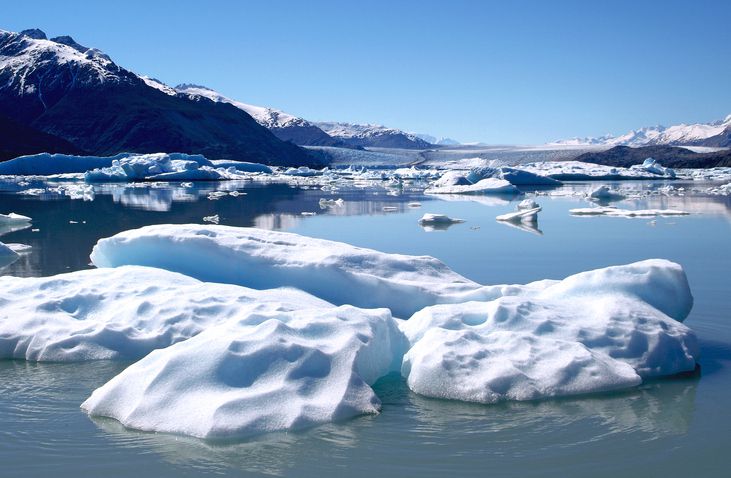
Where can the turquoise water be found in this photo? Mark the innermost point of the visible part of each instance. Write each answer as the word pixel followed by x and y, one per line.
pixel 671 427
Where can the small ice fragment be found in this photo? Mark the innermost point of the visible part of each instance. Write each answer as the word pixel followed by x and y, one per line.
pixel 212 219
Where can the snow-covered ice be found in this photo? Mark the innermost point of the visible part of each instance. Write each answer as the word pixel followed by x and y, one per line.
pixel 484 186
pixel 13 218
pixel 521 215
pixel 121 313
pixel 256 373
pixel 160 167
pixel 430 218
pixel 603 192
pixel 262 259
pixel 599 330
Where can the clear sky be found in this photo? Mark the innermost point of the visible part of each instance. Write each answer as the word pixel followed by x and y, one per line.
pixel 512 72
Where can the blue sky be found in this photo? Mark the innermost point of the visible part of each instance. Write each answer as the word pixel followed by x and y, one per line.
pixel 517 72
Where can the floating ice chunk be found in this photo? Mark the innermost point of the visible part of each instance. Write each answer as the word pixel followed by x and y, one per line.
pixel 329 203
pixel 212 219
pixel 578 171
pixel 430 218
pixel 258 373
pixel 262 259
pixel 160 167
pixel 242 166
pixel 603 192
pixel 121 313
pixel 487 368
pixel 525 216
pixel 45 164
pixel 302 171
pixel 594 331
pixel 414 204
pixel 14 218
pixel 484 186
pixel 652 166
pixel 616 212
pixel 451 178
pixel 389 208
pixel 517 177
pixel 437 222
pixel 527 204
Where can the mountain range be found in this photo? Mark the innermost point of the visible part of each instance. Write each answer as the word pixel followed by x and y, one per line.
pixel 714 134
pixel 80 96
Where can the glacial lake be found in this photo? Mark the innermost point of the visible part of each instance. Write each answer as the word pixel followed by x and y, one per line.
pixel 671 427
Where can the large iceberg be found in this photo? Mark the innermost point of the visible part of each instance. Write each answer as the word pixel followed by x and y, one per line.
pixel 121 313
pixel 260 372
pixel 45 164
pixel 484 186
pixel 595 331
pixel 336 272
pixel 159 167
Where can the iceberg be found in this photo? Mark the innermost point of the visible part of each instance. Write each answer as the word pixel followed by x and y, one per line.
pixel 603 192
pixel 521 215
pixel 122 313
pixel 652 166
pixel 259 372
pixel 595 331
pixel 45 164
pixel 13 218
pixel 516 177
pixel 261 259
pixel 158 167
pixel 437 222
pixel 484 186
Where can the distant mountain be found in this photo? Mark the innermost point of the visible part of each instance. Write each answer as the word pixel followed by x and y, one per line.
pixel 715 134
pixel 438 141
pixel 81 96
pixel 18 140
pixel 369 135
pixel 668 156
pixel 285 126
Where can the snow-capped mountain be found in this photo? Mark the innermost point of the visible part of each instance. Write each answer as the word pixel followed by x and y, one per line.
pixel 78 94
pixel 370 135
pixel 285 126
pixel 717 133
pixel 443 141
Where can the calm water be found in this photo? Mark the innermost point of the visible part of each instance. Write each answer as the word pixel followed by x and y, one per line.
pixel 672 427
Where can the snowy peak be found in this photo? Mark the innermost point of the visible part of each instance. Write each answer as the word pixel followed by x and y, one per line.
pixel 715 133
pixel 365 135
pixel 268 117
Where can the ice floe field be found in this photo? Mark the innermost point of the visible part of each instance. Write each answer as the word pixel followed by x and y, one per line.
pixel 200 318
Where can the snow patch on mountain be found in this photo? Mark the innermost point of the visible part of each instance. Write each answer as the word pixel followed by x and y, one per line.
pixel 682 134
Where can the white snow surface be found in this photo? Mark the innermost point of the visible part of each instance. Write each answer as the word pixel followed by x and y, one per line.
pixel 336 272
pixel 259 372
pixel 579 171
pixel 595 331
pixel 484 186
pixel 352 130
pixel 681 134
pixel 268 117
pixel 122 313
pixel 521 215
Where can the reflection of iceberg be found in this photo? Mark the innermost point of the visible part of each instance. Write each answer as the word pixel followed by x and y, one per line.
pixel 485 200
pixel 7 228
pixel 531 227
pixel 660 408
